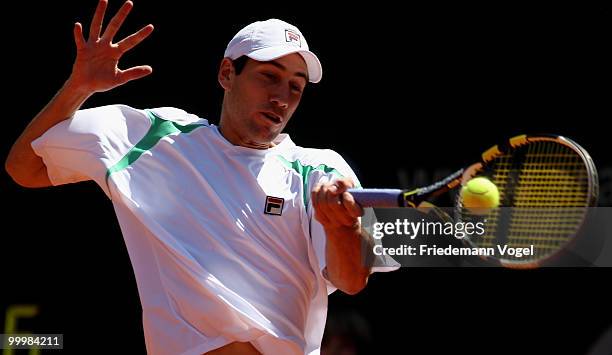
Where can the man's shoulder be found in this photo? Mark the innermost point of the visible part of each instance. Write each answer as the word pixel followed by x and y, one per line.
pixel 314 156
pixel 130 114
pixel 316 161
pixel 177 115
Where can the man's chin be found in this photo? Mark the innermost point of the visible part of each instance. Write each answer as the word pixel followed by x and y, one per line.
pixel 264 135
pixel 268 137
pixel 269 140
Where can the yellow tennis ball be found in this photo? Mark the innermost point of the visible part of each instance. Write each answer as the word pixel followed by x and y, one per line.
pixel 479 195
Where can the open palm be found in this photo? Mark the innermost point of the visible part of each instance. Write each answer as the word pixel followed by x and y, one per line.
pixel 96 66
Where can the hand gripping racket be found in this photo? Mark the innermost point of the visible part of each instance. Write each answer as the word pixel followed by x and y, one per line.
pixel 546 184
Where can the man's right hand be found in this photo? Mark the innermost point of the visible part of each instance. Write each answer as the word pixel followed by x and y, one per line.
pixel 96 66
pixel 94 70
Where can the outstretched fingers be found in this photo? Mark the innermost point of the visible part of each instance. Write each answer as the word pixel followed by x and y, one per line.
pixel 117 20
pixel 133 40
pixel 96 23
pixel 134 73
pixel 79 40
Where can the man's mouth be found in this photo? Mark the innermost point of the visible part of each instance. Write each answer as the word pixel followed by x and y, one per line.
pixel 273 117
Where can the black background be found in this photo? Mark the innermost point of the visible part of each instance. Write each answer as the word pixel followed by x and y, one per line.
pixel 407 93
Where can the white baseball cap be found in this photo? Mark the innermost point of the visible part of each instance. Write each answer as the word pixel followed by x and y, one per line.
pixel 271 39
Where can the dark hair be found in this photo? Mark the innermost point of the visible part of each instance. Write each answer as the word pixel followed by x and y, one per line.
pixel 239 63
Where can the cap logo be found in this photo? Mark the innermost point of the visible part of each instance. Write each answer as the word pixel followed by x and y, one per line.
pixel 293 38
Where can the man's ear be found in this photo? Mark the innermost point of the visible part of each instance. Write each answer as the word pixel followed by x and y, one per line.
pixel 226 74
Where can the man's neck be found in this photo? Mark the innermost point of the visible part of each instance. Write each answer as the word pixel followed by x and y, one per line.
pixel 236 139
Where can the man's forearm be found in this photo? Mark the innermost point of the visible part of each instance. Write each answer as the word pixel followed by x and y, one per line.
pixel 348 256
pixel 21 160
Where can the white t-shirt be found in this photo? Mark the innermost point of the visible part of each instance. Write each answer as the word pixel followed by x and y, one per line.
pixel 222 238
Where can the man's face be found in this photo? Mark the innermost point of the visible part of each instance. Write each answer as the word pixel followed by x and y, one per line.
pixel 259 102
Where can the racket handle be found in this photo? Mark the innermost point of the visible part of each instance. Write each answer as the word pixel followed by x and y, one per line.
pixel 377 197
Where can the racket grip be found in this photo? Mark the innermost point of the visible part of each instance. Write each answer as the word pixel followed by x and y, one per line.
pixel 377 197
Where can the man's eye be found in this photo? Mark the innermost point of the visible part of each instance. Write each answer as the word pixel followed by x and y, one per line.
pixel 268 75
pixel 296 88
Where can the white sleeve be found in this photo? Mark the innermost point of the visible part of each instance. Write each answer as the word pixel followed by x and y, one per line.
pixel 84 146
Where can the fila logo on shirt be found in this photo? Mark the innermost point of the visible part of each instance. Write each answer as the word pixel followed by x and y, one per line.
pixel 274 205
pixel 293 37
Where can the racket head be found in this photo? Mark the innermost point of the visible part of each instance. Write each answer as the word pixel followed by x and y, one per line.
pixel 546 183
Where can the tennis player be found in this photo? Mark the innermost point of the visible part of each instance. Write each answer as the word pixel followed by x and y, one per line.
pixel 236 235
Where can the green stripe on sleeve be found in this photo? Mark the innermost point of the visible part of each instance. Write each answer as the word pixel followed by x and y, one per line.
pixel 159 129
pixel 305 171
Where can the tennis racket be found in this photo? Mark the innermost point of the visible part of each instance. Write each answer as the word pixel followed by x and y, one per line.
pixel 546 183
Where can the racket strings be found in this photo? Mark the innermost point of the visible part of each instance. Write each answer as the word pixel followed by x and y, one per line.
pixel 546 184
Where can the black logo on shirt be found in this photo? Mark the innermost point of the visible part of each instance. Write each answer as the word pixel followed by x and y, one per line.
pixel 274 205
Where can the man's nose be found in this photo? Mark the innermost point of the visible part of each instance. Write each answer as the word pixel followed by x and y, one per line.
pixel 280 98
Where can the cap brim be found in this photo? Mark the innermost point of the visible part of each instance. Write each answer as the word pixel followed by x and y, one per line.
pixel 315 71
